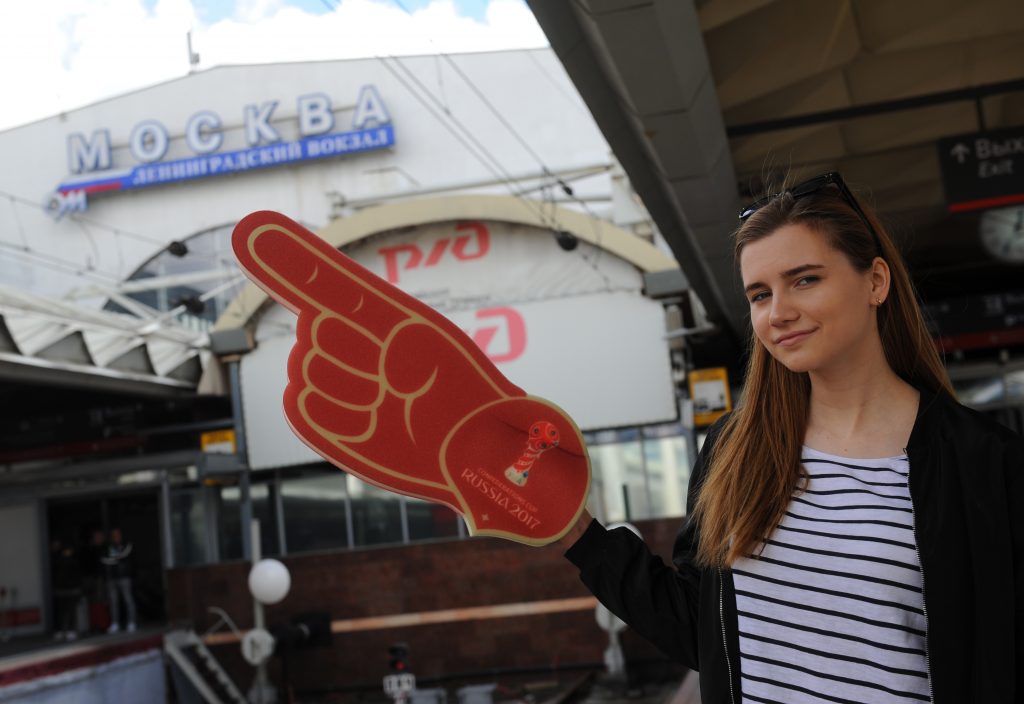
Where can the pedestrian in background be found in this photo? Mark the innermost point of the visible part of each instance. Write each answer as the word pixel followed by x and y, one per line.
pixel 853 533
pixel 117 559
pixel 67 588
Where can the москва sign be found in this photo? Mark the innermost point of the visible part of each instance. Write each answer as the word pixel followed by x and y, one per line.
pixel 90 158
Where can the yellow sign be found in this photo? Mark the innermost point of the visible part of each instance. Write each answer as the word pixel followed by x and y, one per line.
pixel 219 441
pixel 709 390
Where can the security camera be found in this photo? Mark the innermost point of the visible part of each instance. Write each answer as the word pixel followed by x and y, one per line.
pixel 566 240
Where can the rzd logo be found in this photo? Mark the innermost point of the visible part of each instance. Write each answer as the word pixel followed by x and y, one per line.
pixel 472 245
pixel 60 204
pixel 508 319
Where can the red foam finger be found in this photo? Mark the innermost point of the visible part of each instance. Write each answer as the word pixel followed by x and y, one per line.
pixel 389 389
pixel 341 384
pixel 334 337
pixel 334 420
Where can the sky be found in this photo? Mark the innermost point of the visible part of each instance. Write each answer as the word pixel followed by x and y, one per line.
pixel 61 54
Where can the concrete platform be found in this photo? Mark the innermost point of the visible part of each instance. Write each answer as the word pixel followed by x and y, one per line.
pixel 38 657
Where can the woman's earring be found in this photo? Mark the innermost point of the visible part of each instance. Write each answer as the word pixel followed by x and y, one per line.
pixel 878 301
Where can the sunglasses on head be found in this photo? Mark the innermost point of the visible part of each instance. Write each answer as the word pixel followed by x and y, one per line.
pixel 811 186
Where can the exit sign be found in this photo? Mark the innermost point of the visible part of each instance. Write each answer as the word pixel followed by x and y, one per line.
pixel 983 170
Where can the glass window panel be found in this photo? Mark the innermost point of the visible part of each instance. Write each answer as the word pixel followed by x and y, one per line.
pixel 314 512
pixel 668 471
pixel 376 514
pixel 618 479
pixel 231 521
pixel 264 510
pixel 429 520
pixel 209 252
pixel 229 527
pixel 188 531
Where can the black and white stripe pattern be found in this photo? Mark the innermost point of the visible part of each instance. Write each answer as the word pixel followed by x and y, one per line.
pixel 832 610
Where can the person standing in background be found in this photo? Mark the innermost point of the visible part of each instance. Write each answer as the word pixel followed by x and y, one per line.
pixel 67 589
pixel 117 559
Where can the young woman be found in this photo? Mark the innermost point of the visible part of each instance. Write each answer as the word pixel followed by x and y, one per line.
pixel 854 534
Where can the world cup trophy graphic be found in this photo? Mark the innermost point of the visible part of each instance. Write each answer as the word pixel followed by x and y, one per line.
pixel 543 436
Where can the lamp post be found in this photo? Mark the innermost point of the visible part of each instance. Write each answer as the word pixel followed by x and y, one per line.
pixel 269 582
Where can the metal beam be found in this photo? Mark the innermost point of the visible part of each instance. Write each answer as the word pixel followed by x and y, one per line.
pixel 79 376
pixel 972 93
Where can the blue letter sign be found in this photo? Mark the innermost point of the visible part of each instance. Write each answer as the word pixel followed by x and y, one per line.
pixel 149 142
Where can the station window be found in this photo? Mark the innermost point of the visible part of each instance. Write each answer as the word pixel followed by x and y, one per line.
pixel 198 274
pixel 314 512
pixel 376 514
pixel 428 521
pixel 638 473
pixel 188 527
pixel 230 532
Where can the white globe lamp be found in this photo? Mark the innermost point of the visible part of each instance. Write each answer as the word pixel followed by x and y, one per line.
pixel 269 581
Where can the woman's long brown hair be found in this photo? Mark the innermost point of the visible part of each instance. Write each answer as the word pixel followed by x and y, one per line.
pixel 755 465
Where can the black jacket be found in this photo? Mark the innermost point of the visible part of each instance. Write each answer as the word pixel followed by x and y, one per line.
pixel 117 560
pixel 967 489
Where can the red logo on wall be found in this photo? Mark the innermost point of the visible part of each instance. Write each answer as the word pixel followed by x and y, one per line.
pixel 508 319
pixel 473 245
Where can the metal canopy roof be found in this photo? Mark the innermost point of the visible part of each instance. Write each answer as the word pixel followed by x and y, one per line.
pixel 56 342
pixel 705 102
pixel 876 82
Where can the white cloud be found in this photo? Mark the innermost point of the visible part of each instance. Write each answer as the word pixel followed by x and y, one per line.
pixel 62 54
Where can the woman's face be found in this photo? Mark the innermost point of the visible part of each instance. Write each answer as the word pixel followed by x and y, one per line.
pixel 808 306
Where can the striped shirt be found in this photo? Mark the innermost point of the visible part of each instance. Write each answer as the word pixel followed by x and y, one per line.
pixel 832 610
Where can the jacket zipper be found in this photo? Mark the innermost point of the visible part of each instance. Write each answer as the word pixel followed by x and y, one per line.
pixel 725 640
pixel 924 606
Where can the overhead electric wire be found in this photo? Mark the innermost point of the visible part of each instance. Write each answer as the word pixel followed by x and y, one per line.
pixel 504 175
pixel 496 170
pixel 499 170
pixel 549 220
pixel 512 130
pixel 111 228
pixel 501 118
pixel 57 264
pixel 566 189
pixel 81 222
pixel 63 265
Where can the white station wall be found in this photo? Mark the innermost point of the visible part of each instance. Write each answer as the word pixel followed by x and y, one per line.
pixel 572 327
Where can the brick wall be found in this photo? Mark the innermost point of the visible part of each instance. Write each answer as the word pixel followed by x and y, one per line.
pixel 415 578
